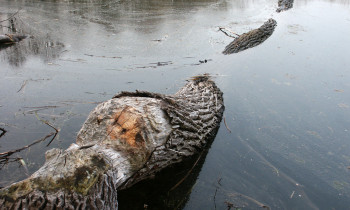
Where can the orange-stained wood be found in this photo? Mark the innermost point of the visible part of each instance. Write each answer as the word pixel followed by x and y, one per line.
pixel 126 126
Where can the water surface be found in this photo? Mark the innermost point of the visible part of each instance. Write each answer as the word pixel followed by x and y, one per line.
pixel 287 100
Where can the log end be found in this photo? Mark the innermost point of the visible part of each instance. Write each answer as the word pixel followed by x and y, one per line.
pixel 11 38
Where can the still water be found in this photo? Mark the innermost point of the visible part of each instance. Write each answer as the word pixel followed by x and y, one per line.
pixel 286 142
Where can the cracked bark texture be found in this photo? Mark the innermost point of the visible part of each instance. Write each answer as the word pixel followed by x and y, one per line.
pixel 251 38
pixel 124 140
pixel 284 5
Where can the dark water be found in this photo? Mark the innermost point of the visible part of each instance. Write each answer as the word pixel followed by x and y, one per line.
pixel 287 100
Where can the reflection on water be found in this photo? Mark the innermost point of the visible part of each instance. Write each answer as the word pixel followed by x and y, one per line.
pixel 169 189
pixel 37 44
pixel 287 101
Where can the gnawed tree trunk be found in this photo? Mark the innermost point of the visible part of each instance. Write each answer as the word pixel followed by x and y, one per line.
pixel 251 38
pixel 284 5
pixel 11 38
pixel 124 140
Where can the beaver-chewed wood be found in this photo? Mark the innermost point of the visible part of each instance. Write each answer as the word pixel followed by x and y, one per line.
pixel 124 140
pixel 11 38
pixel 284 5
pixel 251 38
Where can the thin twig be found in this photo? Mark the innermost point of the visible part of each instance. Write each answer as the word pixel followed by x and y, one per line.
pixel 10 16
pixel 42 107
pixel 3 131
pixel 229 130
pixel 222 30
pixel 102 56
pixel 52 138
pixel 184 198
pixel 251 199
pixel 188 173
pixel 216 190
pixel 23 85
pixel 291 196
pixel 7 160
pixel 47 123
pixel 219 181
pixel 38 108
pixel 4 155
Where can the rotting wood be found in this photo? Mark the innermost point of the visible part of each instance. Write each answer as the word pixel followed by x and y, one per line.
pixel 251 38
pixel 124 140
pixel 284 5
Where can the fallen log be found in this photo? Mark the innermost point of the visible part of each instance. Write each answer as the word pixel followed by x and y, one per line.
pixel 11 38
pixel 124 140
pixel 251 38
pixel 284 5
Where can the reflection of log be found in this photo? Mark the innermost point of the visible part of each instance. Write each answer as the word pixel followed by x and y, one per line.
pixel 251 38
pixel 123 141
pixel 11 38
pixel 284 5
pixel 169 189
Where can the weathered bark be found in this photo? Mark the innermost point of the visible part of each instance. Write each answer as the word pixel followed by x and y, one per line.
pixel 284 5
pixel 251 38
pixel 11 38
pixel 124 140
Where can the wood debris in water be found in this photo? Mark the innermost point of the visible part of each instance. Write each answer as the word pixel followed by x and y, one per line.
pixel 188 173
pixel 251 38
pixel 5 156
pixel 49 124
pixel 25 82
pixel 229 130
pixel 102 56
pixel 228 33
pixel 343 105
pixel 284 5
pixel 3 131
pixel 23 85
pixel 11 16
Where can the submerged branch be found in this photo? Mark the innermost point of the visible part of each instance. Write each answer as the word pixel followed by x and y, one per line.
pixel 47 123
pixel 3 131
pixel 188 173
pixel 14 14
pixel 22 86
pixel 5 155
